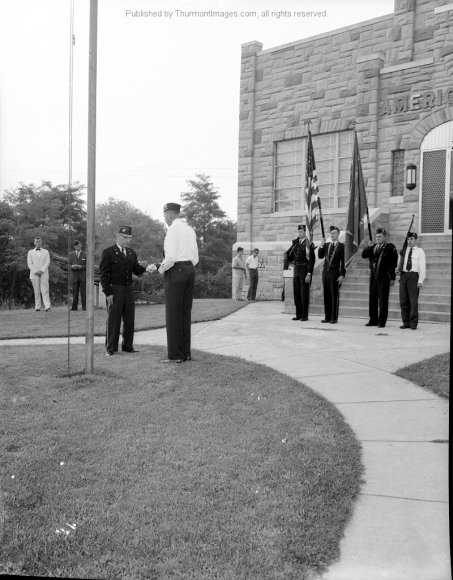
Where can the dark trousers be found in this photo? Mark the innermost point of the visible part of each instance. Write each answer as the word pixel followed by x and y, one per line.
pixel 331 294
pixel 123 308
pixel 251 294
pixel 179 284
pixel 379 300
pixel 79 285
pixel 409 298
pixel 301 291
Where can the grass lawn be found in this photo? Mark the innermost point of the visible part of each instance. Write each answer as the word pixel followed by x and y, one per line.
pixel 219 469
pixel 27 323
pixel 432 374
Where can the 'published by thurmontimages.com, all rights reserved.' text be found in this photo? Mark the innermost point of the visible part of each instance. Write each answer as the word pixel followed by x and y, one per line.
pixel 178 14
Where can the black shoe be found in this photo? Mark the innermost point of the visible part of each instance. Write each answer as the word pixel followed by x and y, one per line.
pixel 47 309
pixel 188 357
pixel 333 321
pixel 172 360
pixel 325 320
pixel 109 353
pixel 371 324
pixel 381 325
pixel 413 328
pixel 404 326
pixel 73 309
pixel 304 319
pixel 129 349
pixel 295 318
pixel 37 309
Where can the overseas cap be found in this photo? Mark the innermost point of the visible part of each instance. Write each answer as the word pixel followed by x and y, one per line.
pixel 301 227
pixel 381 231
pixel 412 235
pixel 334 228
pixel 172 207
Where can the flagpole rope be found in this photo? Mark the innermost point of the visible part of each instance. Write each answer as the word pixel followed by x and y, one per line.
pixel 70 114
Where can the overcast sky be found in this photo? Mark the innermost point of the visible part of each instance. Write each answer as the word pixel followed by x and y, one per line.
pixel 167 90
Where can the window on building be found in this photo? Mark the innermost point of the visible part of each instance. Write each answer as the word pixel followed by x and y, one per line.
pixel 398 172
pixel 333 153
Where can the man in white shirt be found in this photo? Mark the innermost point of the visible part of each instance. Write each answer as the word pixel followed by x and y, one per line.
pixel 181 255
pixel 38 261
pixel 413 275
pixel 252 270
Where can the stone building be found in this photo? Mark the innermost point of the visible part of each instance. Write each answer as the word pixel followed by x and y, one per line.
pixel 390 78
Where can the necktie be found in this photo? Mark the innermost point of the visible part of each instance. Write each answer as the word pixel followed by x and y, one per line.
pixel 332 246
pixel 78 255
pixel 124 252
pixel 409 261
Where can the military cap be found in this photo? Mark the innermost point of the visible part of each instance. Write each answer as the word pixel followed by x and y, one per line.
pixel 334 228
pixel 126 230
pixel 381 231
pixel 412 235
pixel 76 243
pixel 172 207
pixel 301 227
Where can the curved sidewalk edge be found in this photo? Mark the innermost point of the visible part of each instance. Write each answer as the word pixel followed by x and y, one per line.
pixel 400 527
pixel 399 530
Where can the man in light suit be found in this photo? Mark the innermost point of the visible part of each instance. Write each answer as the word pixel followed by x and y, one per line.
pixel 78 265
pixel 38 261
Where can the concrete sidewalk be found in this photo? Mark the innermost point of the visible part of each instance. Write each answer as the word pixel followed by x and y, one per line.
pixel 400 527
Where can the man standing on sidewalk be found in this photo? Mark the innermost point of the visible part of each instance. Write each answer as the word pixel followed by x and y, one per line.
pixel 302 255
pixel 333 274
pixel 252 270
pixel 38 261
pixel 383 259
pixel 412 277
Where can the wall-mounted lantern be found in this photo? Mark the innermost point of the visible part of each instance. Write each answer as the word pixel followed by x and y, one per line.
pixel 411 176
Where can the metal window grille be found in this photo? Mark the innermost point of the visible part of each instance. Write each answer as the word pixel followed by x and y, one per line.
pixel 433 192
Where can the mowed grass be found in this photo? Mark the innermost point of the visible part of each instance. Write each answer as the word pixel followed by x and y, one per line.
pixel 27 323
pixel 432 374
pixel 218 468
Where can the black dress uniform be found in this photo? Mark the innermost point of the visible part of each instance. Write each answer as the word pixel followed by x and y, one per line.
pixel 116 269
pixel 78 276
pixel 303 265
pixel 333 268
pixel 383 260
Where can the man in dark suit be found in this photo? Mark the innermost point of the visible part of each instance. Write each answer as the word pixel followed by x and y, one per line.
pixel 383 258
pixel 302 255
pixel 118 263
pixel 333 273
pixel 78 265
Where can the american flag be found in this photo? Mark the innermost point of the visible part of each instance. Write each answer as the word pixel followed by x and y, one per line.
pixel 311 190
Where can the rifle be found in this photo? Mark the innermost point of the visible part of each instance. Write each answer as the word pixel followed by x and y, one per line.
pixel 403 249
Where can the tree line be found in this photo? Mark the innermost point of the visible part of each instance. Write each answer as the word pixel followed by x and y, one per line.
pixel 57 214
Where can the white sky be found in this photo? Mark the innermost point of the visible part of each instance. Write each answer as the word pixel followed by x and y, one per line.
pixel 167 90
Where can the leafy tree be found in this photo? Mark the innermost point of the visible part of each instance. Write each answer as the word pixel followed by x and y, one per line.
pixel 200 206
pixel 148 233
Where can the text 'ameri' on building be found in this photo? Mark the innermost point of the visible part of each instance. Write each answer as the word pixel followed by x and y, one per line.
pixel 390 79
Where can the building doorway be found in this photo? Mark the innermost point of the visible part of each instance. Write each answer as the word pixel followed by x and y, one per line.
pixel 436 184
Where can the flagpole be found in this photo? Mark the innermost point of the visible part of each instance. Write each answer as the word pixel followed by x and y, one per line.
pixel 321 218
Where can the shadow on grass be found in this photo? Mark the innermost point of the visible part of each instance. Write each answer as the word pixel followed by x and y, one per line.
pixel 217 468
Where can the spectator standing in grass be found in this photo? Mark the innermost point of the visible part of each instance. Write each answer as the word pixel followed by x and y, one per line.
pixel 383 258
pixel 413 274
pixel 118 263
pixel 333 274
pixel 181 255
pixel 302 255
pixel 251 265
pixel 38 261
pixel 78 265
pixel 238 266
